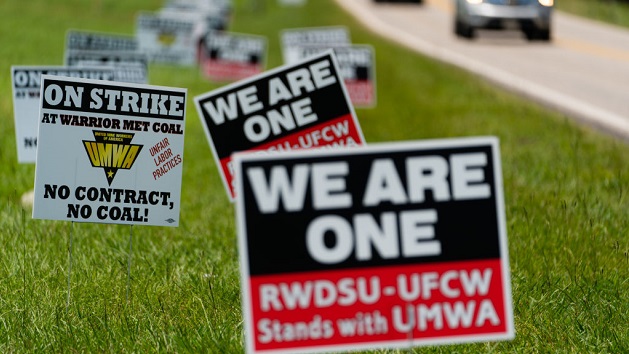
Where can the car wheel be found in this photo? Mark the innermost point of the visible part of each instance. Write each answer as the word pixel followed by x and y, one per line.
pixel 543 35
pixel 534 34
pixel 463 30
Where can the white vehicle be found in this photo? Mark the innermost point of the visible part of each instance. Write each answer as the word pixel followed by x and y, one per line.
pixel 533 17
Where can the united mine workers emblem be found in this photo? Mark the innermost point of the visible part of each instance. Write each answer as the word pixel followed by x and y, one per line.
pixel 112 151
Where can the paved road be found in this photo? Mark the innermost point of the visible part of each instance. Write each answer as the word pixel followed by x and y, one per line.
pixel 583 72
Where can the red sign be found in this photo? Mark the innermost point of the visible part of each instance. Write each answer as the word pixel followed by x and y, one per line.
pixel 385 246
pixel 230 57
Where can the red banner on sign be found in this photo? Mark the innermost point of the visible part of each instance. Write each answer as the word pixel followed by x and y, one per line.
pixel 378 304
pixel 340 132
pixel 220 70
pixel 361 92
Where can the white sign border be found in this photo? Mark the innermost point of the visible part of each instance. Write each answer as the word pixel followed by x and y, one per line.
pixel 375 148
pixel 130 85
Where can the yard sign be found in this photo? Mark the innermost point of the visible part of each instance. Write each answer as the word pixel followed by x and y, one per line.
pixel 357 67
pixel 292 107
pixel 109 152
pixel 292 39
pixel 84 40
pixel 128 66
pixel 390 245
pixel 167 38
pixel 26 89
pixel 228 56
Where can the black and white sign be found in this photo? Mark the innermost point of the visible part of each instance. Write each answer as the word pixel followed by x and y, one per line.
pixel 109 152
pixel 129 66
pixel 167 39
pixel 222 8
pixel 83 40
pixel 207 15
pixel 294 38
pixel 228 56
pixel 389 245
pixel 357 64
pixel 26 89
pixel 299 106
pixel 292 2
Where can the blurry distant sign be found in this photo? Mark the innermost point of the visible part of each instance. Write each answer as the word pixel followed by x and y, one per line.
pixel 222 7
pixel 292 39
pixel 293 107
pixel 206 15
pixel 26 91
pixel 292 2
pixel 81 40
pixel 390 245
pixel 357 67
pixel 127 66
pixel 204 20
pixel 231 56
pixel 226 6
pixel 167 39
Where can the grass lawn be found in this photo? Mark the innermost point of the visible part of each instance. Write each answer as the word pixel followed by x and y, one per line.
pixel 612 11
pixel 566 191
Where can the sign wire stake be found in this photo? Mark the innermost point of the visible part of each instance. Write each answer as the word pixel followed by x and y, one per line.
pixel 129 255
pixel 411 320
pixel 69 264
pixel 22 236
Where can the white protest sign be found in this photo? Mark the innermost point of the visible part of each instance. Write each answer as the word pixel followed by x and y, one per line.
pixel 206 15
pixel 222 7
pixel 292 39
pixel 357 65
pixel 386 246
pixel 128 66
pixel 292 2
pixel 26 90
pixel 298 106
pixel 109 152
pixel 228 56
pixel 84 40
pixel 167 39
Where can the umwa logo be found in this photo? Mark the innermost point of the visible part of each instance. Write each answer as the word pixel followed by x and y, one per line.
pixel 112 151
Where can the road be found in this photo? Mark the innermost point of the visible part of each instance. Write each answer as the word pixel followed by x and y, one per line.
pixel 583 72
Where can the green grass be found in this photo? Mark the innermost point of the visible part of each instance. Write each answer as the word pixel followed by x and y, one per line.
pixel 565 189
pixel 611 11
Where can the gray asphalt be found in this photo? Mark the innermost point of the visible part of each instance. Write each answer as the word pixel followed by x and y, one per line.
pixel 583 72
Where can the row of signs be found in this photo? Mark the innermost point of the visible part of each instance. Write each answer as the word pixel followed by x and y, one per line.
pixel 116 58
pixel 181 33
pixel 223 56
pixel 390 245
pixel 294 107
pixel 342 246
